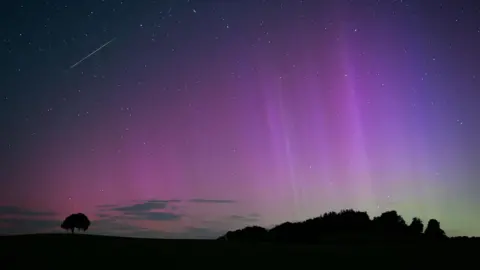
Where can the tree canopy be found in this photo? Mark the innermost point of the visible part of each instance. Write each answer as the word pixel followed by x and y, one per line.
pixel 79 221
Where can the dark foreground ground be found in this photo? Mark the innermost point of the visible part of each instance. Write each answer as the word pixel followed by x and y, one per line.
pixel 57 251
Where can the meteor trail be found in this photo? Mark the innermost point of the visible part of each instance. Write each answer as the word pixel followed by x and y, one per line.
pixel 92 53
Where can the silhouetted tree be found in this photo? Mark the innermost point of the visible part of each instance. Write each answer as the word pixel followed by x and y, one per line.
pixel 286 232
pixel 252 233
pixel 433 230
pixel 390 219
pixel 390 225
pixel 79 221
pixel 416 227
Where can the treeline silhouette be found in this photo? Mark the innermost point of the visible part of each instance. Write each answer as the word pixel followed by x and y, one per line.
pixel 347 226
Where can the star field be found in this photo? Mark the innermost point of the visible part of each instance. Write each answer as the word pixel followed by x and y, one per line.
pixel 189 118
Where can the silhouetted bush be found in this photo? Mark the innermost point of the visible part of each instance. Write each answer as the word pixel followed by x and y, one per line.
pixel 79 221
pixel 253 233
pixel 433 230
pixel 416 227
pixel 347 226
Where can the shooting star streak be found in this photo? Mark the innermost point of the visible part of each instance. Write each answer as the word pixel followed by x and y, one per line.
pixel 92 53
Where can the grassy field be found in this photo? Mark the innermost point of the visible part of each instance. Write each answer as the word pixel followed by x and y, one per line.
pixel 72 251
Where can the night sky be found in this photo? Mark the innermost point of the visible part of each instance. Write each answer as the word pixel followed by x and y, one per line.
pixel 190 118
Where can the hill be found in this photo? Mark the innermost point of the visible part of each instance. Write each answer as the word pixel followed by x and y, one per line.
pixel 61 250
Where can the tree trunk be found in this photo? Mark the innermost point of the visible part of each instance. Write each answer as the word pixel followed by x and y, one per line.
pixel 72 230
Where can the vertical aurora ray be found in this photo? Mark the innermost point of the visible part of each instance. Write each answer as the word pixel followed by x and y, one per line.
pixel 361 169
pixel 279 135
